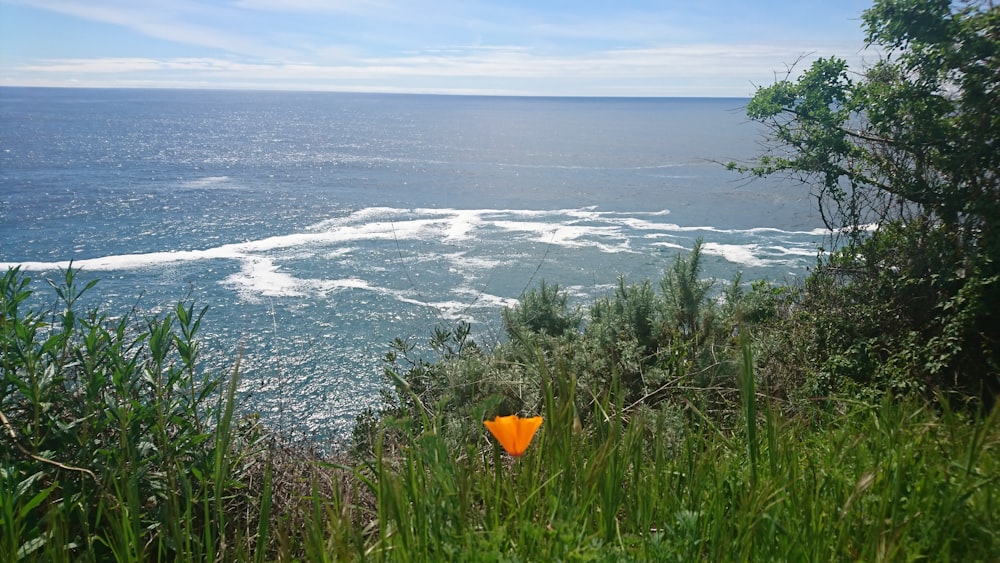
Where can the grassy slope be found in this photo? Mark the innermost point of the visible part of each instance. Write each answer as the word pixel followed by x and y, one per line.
pixel 116 446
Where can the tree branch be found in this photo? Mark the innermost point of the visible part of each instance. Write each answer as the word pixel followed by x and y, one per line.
pixel 13 438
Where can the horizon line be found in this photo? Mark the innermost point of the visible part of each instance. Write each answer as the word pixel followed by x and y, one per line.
pixel 366 92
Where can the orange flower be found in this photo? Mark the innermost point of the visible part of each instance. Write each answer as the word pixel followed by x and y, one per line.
pixel 513 432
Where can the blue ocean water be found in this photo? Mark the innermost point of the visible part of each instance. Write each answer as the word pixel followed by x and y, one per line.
pixel 318 227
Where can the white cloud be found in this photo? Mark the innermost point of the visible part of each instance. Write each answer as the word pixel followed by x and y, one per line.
pixel 287 44
pixel 317 6
pixel 171 21
pixel 669 70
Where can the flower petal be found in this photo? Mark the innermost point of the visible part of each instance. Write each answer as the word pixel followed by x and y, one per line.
pixel 526 428
pixel 513 432
pixel 504 430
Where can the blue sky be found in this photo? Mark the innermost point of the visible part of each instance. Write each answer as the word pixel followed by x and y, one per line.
pixel 514 47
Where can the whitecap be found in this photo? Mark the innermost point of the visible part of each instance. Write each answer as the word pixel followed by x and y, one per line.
pixel 794 251
pixel 260 277
pixel 205 182
pixel 742 254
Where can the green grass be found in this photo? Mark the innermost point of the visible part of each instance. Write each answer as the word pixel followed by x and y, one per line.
pixel 888 482
pixel 116 446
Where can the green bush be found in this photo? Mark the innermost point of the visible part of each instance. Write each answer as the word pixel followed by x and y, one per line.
pixel 544 310
pixel 902 158
pixel 116 445
pixel 639 346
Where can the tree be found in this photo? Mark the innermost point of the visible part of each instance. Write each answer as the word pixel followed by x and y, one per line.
pixel 904 158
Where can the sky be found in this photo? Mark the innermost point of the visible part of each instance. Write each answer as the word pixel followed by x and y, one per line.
pixel 717 48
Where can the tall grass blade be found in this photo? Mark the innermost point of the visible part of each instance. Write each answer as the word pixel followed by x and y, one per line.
pixel 749 396
pixel 222 467
pixel 264 518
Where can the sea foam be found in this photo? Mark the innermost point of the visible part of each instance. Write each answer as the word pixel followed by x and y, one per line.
pixel 469 236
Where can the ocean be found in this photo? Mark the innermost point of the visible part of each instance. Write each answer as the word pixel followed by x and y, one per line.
pixel 319 227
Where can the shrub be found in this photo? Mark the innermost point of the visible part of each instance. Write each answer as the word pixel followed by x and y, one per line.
pixel 902 159
pixel 116 444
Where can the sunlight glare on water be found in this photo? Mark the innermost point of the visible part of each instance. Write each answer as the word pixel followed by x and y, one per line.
pixel 317 228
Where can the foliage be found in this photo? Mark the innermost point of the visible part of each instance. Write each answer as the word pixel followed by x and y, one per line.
pixel 888 481
pixel 544 310
pixel 904 164
pixel 685 294
pixel 602 480
pixel 645 346
pixel 652 341
pixel 115 445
